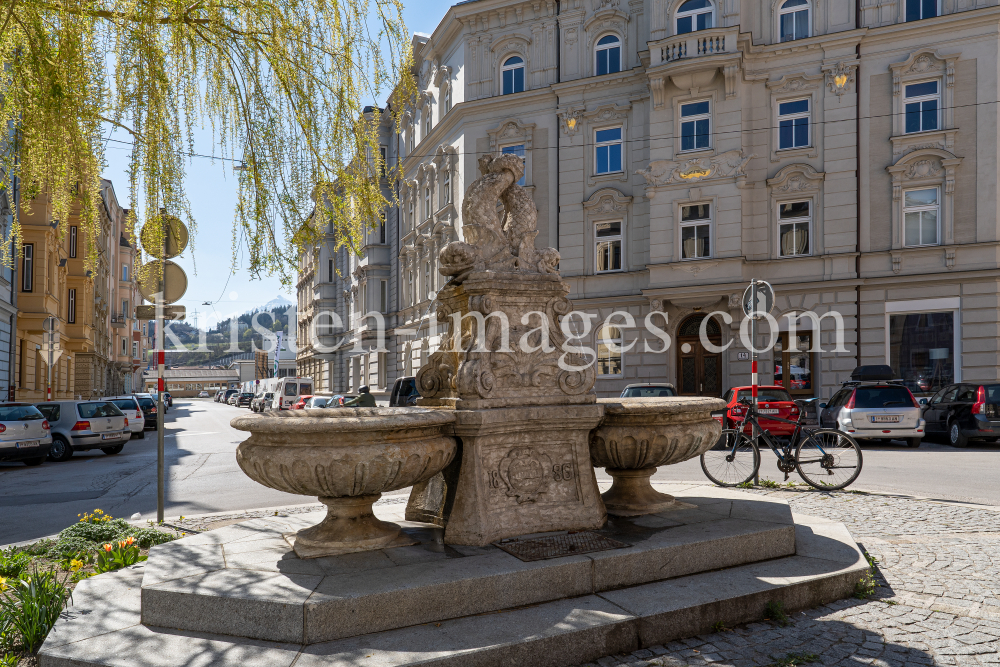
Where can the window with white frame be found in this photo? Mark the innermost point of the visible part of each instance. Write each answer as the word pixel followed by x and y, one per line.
pixel 427 201
pixel 696 231
pixel 428 119
pixel 447 99
pixel 427 278
pixel 135 349
pixel 793 20
pixel 921 210
pixel 608 150
pixel 696 125
pixel 793 124
pixel 921 106
pixel 694 15
pixel 410 209
pixel 794 221
pixel 446 187
pixel 125 272
pixel 608 55
pixel 517 150
pixel 27 267
pixel 409 287
pixel 72 241
pixel 921 9
pixel 512 73
pixel 609 352
pixel 608 246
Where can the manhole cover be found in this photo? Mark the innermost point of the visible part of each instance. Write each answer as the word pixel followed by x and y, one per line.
pixel 556 546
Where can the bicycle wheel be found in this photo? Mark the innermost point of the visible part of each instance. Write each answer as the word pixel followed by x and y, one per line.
pixel 828 460
pixel 733 460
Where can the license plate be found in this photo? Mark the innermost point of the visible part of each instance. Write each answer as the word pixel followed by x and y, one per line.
pixel 27 443
pixel 885 419
pixel 111 436
pixel 768 411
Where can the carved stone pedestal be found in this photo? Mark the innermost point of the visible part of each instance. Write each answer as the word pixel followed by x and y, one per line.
pixel 524 470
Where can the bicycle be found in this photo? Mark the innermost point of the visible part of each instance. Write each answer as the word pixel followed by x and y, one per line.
pixel 819 454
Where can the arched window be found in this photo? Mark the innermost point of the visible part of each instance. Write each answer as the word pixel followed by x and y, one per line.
pixel 609 55
pixel 794 19
pixel 694 15
pixel 513 75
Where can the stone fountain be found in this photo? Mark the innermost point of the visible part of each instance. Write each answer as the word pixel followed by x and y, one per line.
pixel 515 557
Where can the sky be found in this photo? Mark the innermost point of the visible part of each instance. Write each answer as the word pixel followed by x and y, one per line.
pixel 211 189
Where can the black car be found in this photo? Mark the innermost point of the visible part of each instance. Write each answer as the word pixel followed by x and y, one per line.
pixel 148 407
pixel 404 393
pixel 964 412
pixel 244 399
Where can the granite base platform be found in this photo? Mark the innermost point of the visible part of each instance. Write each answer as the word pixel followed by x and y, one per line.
pixel 240 596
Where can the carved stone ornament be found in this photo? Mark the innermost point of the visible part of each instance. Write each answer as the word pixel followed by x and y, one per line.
pixel 791 83
pixel 607 201
pixel 569 121
pixel 795 178
pixel 923 169
pixel 839 78
pixel 725 165
pixel 924 61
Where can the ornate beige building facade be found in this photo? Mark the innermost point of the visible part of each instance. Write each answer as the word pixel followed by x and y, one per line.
pixel 675 149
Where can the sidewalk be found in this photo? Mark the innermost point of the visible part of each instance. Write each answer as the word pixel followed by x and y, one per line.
pixel 938 603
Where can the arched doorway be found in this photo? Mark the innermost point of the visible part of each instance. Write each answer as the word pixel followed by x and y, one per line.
pixel 699 371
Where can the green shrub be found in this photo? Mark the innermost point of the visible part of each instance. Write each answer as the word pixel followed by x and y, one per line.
pixel 30 609
pixel 90 534
pixel 8 660
pixel 13 562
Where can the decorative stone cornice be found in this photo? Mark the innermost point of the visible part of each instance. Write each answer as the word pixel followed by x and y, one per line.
pixel 795 178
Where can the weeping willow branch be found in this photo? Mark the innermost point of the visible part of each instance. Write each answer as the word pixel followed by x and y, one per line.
pixel 282 86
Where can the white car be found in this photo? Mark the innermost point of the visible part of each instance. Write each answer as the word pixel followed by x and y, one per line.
pixel 25 434
pixel 129 405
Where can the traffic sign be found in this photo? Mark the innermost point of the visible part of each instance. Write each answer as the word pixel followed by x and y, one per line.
pixel 174 279
pixel 169 312
pixel 164 237
pixel 758 300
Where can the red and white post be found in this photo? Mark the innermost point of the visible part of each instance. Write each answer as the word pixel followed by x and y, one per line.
pixel 753 362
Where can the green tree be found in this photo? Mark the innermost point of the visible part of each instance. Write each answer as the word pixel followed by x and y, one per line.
pixel 282 85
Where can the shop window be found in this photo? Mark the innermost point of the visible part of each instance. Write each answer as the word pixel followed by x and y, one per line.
pixel 922 349
pixel 793 368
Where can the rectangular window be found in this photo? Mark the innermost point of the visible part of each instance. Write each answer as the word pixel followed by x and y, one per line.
pixel 793 124
pixel 921 9
pixel 72 241
pixel 920 217
pixel 609 352
pixel 921 103
pixel 28 267
pixel 427 202
pixel 381 226
pixel 608 246
pixel 71 306
pixel 428 120
pixel 922 349
pixel 517 150
pixel 447 99
pixel 124 346
pixel 696 229
pixel 696 125
pixel 125 307
pixel 135 349
pixel 125 272
pixel 793 228
pixel 608 150
pixel 446 187
pixel 383 296
pixel 329 267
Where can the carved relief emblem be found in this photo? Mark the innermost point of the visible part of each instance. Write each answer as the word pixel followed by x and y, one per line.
pixel 662 172
pixel 921 64
pixel 924 169
pixel 523 472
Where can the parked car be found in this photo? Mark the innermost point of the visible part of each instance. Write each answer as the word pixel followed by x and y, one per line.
pixel 648 390
pixel 964 413
pixel 317 402
pixel 219 395
pixel 202 394
pixel 404 392
pixel 231 396
pixel 136 420
pixel 148 407
pixel 262 401
pixel 771 400
pixel 168 400
pixel 301 403
pixel 82 425
pixel 25 434
pixel 243 399
pixel 874 406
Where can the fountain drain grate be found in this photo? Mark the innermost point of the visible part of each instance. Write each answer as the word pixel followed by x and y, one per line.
pixel 556 546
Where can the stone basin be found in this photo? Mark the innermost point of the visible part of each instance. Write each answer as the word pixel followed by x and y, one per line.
pixel 347 457
pixel 638 435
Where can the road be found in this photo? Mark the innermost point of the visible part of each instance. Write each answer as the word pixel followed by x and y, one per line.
pixel 202 476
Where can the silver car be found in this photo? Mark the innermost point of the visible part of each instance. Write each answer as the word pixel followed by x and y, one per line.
pixel 83 425
pixel 875 411
pixel 24 434
pixel 129 405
